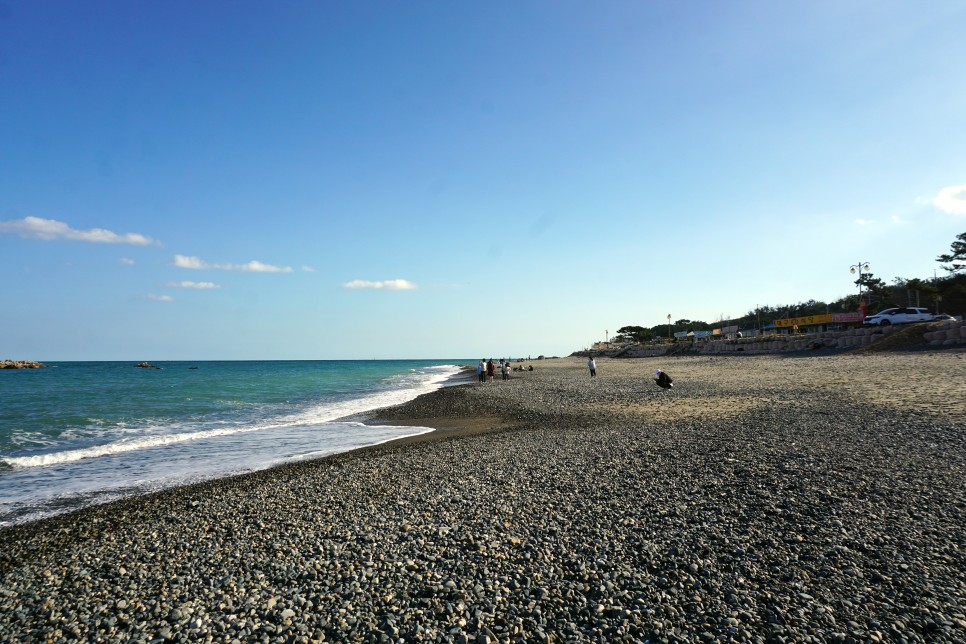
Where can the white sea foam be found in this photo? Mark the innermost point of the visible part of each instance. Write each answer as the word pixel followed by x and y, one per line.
pixel 417 383
pixel 410 431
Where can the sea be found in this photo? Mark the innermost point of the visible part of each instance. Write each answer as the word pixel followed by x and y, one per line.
pixel 77 434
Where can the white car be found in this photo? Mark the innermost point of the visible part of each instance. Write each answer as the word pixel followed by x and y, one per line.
pixel 898 315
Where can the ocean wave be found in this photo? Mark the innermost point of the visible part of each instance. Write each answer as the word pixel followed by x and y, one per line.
pixel 422 381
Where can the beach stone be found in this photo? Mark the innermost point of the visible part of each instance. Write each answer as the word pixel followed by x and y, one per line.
pixel 768 498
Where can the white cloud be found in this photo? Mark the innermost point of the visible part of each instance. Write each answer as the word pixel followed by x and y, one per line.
pixel 308 269
pixel 127 262
pixel 254 266
pixel 183 261
pixel 390 285
pixel 258 267
pixel 50 229
pixel 951 199
pixel 196 285
pixel 864 222
pixel 160 298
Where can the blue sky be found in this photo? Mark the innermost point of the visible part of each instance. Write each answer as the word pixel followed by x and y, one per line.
pixel 312 180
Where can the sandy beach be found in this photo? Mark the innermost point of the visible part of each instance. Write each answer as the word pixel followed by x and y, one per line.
pixel 764 498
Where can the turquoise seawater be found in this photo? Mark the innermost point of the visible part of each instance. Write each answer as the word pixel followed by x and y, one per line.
pixel 80 433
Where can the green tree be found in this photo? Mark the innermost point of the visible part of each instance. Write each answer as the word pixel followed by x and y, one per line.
pixel 874 286
pixel 635 333
pixel 915 292
pixel 956 258
pixel 951 294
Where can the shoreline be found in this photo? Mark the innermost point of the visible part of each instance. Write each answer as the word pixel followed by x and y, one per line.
pixel 79 475
pixel 761 497
pixel 372 417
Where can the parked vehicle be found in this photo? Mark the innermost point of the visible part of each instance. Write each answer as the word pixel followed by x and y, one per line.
pixel 899 315
pixel 942 317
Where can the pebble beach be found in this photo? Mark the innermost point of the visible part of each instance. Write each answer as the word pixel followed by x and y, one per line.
pixel 772 498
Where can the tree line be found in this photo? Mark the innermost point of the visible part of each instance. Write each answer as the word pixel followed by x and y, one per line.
pixel 944 294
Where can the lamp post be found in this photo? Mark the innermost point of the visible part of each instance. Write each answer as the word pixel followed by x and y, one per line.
pixel 668 326
pixel 861 267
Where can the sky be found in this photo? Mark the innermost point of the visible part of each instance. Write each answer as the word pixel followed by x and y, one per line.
pixel 356 180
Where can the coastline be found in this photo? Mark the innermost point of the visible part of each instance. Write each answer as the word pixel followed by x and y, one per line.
pixel 763 496
pixel 138 431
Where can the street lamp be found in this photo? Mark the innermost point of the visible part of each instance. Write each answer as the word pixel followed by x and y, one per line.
pixel 668 326
pixel 861 267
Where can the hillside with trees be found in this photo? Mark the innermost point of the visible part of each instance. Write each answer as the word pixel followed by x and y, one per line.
pixel 944 294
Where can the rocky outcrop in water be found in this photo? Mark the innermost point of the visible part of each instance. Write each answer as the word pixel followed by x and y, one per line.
pixel 21 364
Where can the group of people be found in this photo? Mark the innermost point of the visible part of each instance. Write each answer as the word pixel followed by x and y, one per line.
pixel 486 370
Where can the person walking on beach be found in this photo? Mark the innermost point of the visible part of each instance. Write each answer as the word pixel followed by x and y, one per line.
pixel 592 365
pixel 481 370
pixel 490 370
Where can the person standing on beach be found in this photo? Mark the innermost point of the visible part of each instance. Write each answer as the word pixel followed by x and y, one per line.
pixel 592 365
pixel 490 370
pixel 505 370
pixel 481 370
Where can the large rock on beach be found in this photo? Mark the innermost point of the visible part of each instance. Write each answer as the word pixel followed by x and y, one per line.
pixel 763 499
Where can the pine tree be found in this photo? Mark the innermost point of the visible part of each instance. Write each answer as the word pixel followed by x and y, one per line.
pixel 957 257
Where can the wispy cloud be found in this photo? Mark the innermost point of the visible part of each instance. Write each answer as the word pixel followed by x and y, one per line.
pixel 50 229
pixel 160 298
pixel 196 285
pixel 254 266
pixel 308 269
pixel 951 199
pixel 894 220
pixel 127 261
pixel 389 285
